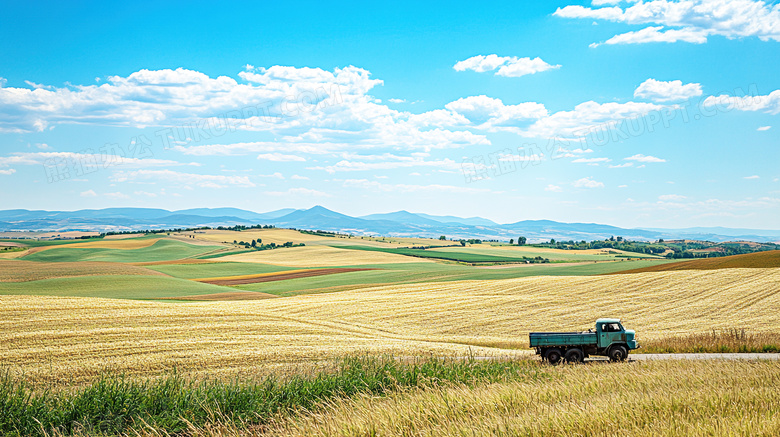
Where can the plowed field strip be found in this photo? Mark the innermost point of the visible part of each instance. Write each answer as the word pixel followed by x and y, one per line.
pixel 276 276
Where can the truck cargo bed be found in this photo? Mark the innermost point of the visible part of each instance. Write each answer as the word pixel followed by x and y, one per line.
pixel 539 339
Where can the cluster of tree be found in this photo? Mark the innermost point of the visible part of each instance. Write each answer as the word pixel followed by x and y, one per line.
pixel 470 241
pixel 168 231
pixel 520 241
pixel 320 233
pixel 426 247
pixel 152 231
pixel 537 259
pixel 243 227
pixel 258 244
pixel 674 249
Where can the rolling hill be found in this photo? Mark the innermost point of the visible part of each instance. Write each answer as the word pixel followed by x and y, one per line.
pixel 394 224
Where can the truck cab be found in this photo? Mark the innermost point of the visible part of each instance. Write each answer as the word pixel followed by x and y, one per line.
pixel 611 331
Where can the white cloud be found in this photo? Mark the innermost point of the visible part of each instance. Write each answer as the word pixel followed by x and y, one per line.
pixel 508 66
pixel 671 198
pixel 299 192
pixel 480 63
pixel 752 177
pixel 77 160
pixel 280 157
pixel 581 151
pixel 643 158
pixel 586 118
pixel 396 100
pixel 182 179
pixel 296 105
pixel 553 188
pixel 8 172
pixel 88 193
pixel 407 188
pixel 769 103
pixel 764 128
pixel 661 91
pixel 622 186
pixel 591 160
pixel 275 175
pixel 576 11
pixel 117 195
pixel 488 112
pixel 623 165
pixel 388 162
pixel 687 20
pixel 655 34
pixel 299 178
pixel 587 183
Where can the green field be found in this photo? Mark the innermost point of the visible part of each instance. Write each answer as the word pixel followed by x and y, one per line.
pixel 429 265
pixel 486 255
pixel 116 287
pixel 193 271
pixel 462 255
pixel 163 250
pixel 433 272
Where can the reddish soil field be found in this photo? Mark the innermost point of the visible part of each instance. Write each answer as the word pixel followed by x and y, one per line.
pixel 281 276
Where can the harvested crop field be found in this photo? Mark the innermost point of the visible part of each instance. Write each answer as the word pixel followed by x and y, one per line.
pixel 176 262
pixel 230 295
pixel 22 271
pixel 133 243
pixel 127 251
pixel 768 259
pixel 275 276
pixel 59 339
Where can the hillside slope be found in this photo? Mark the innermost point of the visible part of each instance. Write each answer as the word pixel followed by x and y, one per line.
pixel 768 259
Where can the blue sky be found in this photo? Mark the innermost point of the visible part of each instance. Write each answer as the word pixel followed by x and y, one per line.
pixel 638 114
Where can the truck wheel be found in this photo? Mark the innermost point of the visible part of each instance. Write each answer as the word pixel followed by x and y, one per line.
pixel 553 355
pixel 575 355
pixel 618 353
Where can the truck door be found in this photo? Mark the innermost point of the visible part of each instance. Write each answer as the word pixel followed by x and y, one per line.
pixel 610 333
pixel 604 340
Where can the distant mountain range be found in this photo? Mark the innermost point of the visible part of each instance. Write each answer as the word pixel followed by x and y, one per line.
pixel 397 224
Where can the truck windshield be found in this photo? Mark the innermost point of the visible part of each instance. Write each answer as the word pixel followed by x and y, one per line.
pixel 611 327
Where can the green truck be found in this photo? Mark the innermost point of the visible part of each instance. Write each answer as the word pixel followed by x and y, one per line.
pixel 608 339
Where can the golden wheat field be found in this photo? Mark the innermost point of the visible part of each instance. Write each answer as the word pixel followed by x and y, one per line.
pixel 20 271
pixel 631 399
pixel 50 339
pixel 130 243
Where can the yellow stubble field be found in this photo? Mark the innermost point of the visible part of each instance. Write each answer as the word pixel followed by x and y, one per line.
pixel 58 340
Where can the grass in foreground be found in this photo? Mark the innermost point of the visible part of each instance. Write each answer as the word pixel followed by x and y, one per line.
pixel 723 341
pixel 662 398
pixel 113 405
pixel 718 398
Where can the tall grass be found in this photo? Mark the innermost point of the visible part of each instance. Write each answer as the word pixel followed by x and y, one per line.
pixel 724 341
pixel 648 399
pixel 113 405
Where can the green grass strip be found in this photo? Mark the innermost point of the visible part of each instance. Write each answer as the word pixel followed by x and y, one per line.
pixel 113 405
pixel 468 257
